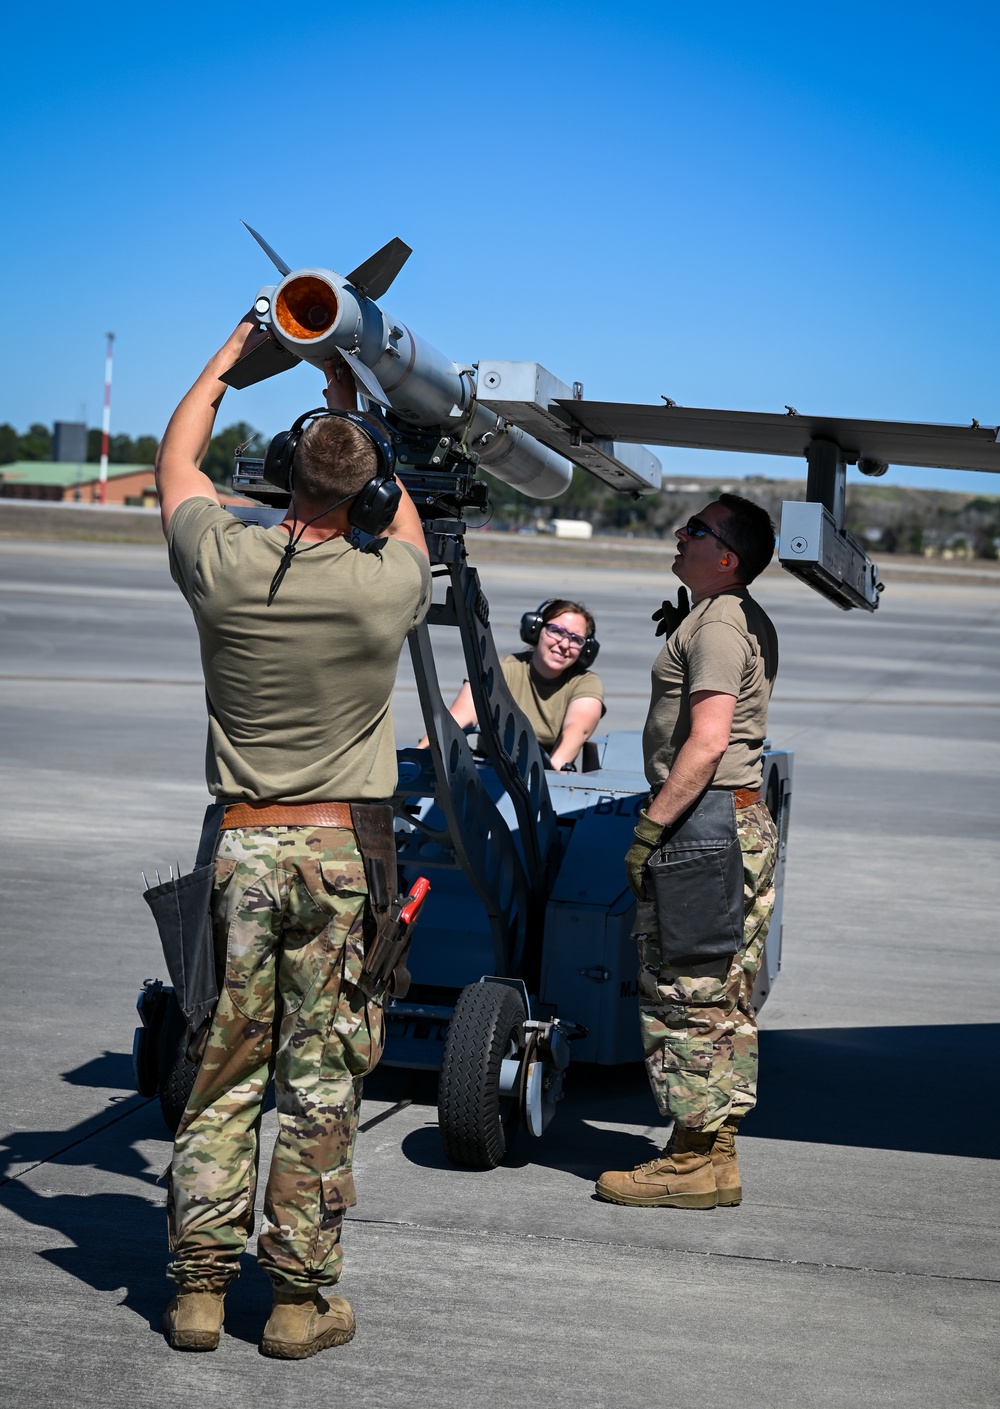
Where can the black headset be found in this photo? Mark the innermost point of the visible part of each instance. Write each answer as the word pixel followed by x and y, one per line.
pixel 531 629
pixel 376 503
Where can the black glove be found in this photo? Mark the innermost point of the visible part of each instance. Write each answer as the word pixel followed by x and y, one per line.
pixel 669 616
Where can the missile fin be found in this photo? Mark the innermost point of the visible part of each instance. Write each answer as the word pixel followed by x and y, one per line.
pixel 275 259
pixel 365 377
pixel 373 277
pixel 266 360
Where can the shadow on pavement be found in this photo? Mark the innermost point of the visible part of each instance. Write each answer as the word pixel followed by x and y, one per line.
pixel 917 1089
pixel 612 1096
pixel 112 1071
pixel 119 1239
pixel 921 1089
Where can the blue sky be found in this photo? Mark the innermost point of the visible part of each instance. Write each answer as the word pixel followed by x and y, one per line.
pixel 736 205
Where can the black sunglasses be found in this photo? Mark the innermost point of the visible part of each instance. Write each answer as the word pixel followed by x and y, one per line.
pixel 697 528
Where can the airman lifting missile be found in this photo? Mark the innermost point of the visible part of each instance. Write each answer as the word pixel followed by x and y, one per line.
pixel 316 314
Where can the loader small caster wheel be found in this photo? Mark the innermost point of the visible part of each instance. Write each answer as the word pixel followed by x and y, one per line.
pixel 478 1125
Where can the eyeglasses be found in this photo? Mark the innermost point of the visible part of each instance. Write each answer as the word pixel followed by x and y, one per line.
pixel 570 639
pixel 697 528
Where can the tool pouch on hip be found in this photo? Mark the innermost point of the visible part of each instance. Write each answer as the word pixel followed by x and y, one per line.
pixel 696 880
pixel 377 844
pixel 182 909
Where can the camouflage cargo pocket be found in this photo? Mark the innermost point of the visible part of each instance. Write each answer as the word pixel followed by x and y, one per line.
pixel 336 1196
pixel 338 1193
pixel 356 1036
pixel 686 1073
pixel 356 1033
pixel 250 956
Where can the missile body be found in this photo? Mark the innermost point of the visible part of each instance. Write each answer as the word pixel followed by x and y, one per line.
pixel 315 314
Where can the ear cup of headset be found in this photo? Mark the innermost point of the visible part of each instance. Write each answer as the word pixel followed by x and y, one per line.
pixel 531 624
pixel 375 507
pixel 278 459
pixel 280 452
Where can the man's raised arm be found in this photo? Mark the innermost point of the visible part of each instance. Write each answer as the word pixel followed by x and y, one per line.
pixel 186 439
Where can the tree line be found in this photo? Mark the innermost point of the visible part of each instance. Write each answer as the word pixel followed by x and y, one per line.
pixel 36 444
pixel 888 518
pixel 891 518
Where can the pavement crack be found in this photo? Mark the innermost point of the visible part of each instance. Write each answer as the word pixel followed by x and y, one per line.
pixel 681 1251
pixel 82 1140
pixel 384 1115
pixel 141 1105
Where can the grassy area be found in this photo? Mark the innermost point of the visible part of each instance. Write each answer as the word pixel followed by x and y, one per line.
pixel 26 518
pixel 74 523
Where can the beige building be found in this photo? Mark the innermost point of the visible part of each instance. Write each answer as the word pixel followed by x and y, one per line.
pixel 77 483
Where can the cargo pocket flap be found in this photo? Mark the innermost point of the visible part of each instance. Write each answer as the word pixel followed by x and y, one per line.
pixel 338 1194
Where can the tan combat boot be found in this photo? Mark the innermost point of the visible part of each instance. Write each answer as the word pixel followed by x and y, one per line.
pixel 302 1323
pixel 193 1320
pixel 725 1166
pixel 681 1178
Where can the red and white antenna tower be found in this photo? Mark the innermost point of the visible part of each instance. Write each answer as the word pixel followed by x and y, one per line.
pixel 102 488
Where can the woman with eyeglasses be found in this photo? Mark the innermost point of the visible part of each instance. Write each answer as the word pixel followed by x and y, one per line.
pixel 551 683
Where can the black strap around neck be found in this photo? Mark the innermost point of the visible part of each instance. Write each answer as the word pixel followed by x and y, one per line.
pixel 292 546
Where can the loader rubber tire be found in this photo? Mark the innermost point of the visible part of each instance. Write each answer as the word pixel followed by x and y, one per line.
pixel 176 1071
pixel 146 1042
pixel 478 1127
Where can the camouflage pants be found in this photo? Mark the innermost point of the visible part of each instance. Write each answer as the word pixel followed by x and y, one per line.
pixel 699 1031
pixel 288 907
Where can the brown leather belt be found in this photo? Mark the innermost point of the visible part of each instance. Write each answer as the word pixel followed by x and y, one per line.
pixel 742 797
pixel 746 797
pixel 287 814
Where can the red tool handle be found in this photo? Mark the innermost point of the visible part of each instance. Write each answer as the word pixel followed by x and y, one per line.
pixel 417 896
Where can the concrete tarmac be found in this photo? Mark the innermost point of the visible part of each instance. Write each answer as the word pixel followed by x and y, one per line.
pixel 862 1267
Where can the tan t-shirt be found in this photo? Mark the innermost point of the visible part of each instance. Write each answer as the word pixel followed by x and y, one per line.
pixel 725 643
pixel 545 702
pixel 298 693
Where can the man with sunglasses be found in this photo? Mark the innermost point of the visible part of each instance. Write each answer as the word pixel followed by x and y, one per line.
pixel 700 943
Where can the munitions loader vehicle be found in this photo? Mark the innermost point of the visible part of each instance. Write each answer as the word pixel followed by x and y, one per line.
pixel 522 957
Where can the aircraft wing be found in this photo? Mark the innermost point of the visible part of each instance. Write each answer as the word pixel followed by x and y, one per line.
pixel 763 433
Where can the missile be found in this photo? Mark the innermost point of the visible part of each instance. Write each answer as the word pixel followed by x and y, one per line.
pixel 315 314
